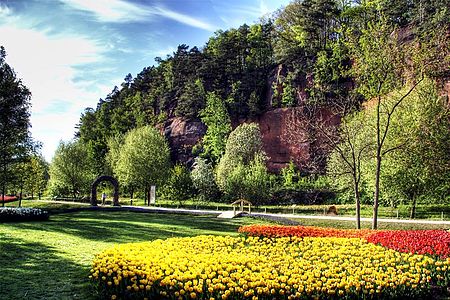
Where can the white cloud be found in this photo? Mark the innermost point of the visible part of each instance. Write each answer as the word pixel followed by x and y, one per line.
pixel 119 11
pixel 235 15
pixel 48 66
pixel 184 19
pixel 111 10
pixel 5 11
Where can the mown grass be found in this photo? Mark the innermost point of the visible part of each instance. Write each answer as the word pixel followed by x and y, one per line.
pixel 51 259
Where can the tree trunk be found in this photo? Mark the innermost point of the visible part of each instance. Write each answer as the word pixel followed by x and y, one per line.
pixel 20 197
pixel 358 204
pixel 39 195
pixel 413 207
pixel 145 196
pixel 148 196
pixel 131 193
pixel 377 192
pixel 3 195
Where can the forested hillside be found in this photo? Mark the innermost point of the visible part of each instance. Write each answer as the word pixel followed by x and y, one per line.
pixel 301 55
pixel 304 74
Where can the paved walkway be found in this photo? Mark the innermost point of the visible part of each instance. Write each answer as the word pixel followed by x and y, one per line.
pixel 288 216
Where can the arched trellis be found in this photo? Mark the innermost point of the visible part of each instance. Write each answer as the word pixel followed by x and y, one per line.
pixel 115 184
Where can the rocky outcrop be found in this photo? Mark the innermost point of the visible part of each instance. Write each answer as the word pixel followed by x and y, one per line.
pixel 291 135
pixel 288 135
pixel 182 135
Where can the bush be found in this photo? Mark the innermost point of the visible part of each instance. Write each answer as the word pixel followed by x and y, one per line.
pixel 13 214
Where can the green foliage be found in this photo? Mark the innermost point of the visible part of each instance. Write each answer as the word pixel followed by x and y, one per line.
pixel 289 175
pixel 215 117
pixel 241 172
pixel 288 97
pixel 249 181
pixel 115 144
pixel 244 143
pixel 192 100
pixel 71 170
pixel 15 138
pixel 257 182
pixel 144 159
pixel 32 176
pixel 418 169
pixel 179 186
pixel 378 60
pixel 202 176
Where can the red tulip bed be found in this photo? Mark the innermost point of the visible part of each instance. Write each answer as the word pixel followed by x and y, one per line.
pixel 431 242
pixel 8 199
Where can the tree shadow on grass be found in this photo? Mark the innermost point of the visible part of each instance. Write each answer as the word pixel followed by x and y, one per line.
pixel 31 270
pixel 120 227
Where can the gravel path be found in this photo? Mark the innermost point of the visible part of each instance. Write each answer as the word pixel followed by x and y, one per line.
pixel 262 215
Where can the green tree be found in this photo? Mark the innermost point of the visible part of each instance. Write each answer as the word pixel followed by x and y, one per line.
pixel 192 100
pixel 350 151
pixel 215 117
pixel 241 170
pixel 15 139
pixel 71 170
pixel 420 168
pixel 380 67
pixel 144 159
pixel 288 175
pixel 179 186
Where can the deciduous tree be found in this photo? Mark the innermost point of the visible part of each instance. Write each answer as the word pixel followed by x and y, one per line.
pixel 15 138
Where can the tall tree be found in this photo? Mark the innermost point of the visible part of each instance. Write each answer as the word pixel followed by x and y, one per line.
pixel 15 139
pixel 215 117
pixel 241 172
pixel 349 153
pixel 421 169
pixel 388 70
pixel 71 170
pixel 144 159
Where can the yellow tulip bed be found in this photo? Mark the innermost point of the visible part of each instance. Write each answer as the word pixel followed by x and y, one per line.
pixel 217 267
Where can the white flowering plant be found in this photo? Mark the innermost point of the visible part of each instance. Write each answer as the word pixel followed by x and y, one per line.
pixel 12 214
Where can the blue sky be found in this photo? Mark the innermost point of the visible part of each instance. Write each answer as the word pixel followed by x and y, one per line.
pixel 70 53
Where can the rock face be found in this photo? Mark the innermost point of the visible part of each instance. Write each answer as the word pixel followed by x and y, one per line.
pixel 182 135
pixel 289 135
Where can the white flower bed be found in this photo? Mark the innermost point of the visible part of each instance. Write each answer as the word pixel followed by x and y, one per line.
pixel 8 214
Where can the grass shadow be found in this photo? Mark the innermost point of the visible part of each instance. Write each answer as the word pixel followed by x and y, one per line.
pixel 120 227
pixel 32 270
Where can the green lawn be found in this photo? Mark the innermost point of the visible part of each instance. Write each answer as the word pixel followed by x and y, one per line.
pixel 51 260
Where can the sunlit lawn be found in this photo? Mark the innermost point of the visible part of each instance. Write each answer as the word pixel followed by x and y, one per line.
pixel 51 260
